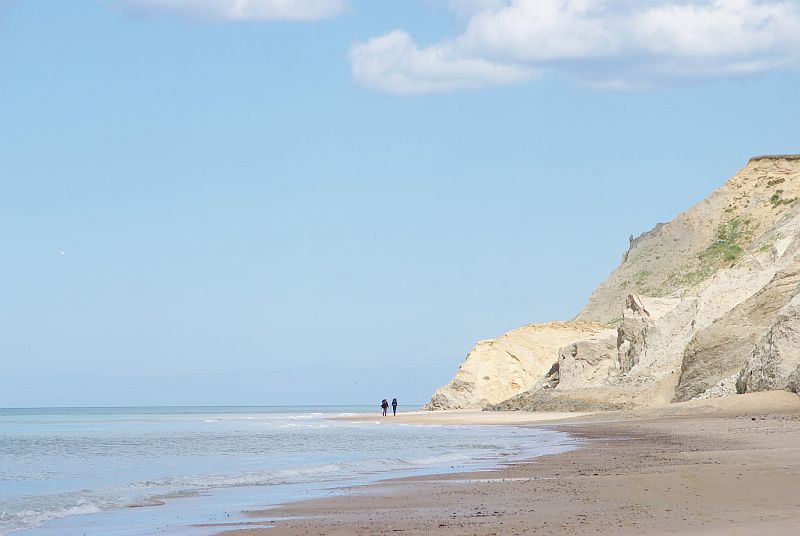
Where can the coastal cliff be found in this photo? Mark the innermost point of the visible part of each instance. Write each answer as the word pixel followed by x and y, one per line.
pixel 703 306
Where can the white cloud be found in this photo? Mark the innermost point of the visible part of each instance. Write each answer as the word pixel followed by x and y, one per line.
pixel 609 44
pixel 464 9
pixel 721 28
pixel 241 10
pixel 541 30
pixel 393 63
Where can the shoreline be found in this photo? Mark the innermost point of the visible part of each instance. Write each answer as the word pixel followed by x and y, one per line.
pixel 703 467
pixel 465 417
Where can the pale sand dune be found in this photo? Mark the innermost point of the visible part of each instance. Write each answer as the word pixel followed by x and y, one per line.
pixel 728 466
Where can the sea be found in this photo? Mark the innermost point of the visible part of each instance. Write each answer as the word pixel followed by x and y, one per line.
pixel 191 470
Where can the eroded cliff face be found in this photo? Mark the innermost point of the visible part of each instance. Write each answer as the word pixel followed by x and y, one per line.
pixel 702 306
pixel 774 362
pixel 675 257
pixel 720 350
pixel 497 369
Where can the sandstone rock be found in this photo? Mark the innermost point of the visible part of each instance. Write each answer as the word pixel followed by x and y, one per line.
pixel 635 364
pixel 500 368
pixel 775 360
pixel 723 348
pixel 588 362
pixel 653 333
pixel 552 377
pixel 724 387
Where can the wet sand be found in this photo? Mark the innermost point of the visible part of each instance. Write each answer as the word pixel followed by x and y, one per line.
pixel 726 466
pixel 469 417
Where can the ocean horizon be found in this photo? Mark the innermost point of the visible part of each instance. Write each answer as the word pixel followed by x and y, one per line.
pixel 134 471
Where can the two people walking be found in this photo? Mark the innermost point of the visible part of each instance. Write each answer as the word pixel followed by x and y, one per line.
pixel 385 406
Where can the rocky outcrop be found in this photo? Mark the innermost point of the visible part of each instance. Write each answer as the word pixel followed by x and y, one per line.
pixel 724 387
pixel 588 362
pixel 497 369
pixel 774 363
pixel 723 348
pixel 635 364
pixel 561 401
pixel 653 333
pixel 700 307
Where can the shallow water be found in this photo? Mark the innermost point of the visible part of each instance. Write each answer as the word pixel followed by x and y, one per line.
pixel 137 471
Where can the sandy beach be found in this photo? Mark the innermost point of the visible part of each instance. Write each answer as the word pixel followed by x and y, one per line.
pixel 468 417
pixel 725 466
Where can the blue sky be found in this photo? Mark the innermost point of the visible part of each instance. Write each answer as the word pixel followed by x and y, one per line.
pixel 320 201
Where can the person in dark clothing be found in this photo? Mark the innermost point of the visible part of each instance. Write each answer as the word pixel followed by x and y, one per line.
pixel 394 406
pixel 384 406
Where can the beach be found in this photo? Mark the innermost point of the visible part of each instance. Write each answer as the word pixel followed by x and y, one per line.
pixel 720 466
pixel 179 470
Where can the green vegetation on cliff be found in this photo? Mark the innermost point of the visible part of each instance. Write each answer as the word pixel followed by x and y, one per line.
pixel 730 240
pixel 727 247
